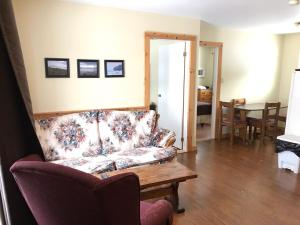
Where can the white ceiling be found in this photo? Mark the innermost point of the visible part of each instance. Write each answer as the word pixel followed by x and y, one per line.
pixel 268 15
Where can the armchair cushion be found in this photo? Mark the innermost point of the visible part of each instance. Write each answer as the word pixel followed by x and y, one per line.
pixel 156 213
pixel 95 164
pixel 141 156
pixel 69 136
pixel 124 130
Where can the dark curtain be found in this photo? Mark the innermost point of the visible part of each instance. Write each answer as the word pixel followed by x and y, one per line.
pixel 17 135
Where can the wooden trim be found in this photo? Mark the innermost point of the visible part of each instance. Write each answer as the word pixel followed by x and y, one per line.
pixel 192 95
pixel 171 36
pixel 192 86
pixel 218 45
pixel 44 115
pixel 147 71
pixel 210 44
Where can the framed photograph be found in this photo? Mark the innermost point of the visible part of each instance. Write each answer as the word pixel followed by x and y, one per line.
pixel 201 72
pixel 57 67
pixel 114 68
pixel 87 68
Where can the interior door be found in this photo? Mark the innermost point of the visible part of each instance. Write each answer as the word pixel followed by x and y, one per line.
pixel 170 105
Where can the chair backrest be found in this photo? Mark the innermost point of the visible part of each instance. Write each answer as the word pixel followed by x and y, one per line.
pixel 239 101
pixel 271 111
pixel 226 111
pixel 270 118
pixel 62 196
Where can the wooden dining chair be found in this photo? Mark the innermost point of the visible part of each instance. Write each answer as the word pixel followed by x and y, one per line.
pixel 242 101
pixel 268 124
pixel 281 124
pixel 238 101
pixel 282 120
pixel 228 119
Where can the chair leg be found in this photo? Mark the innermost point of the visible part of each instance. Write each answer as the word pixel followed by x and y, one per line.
pixel 244 130
pixel 255 132
pixel 262 134
pixel 275 134
pixel 250 132
pixel 231 135
pixel 220 132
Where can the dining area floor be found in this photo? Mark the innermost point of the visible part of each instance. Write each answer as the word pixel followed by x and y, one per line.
pixel 238 185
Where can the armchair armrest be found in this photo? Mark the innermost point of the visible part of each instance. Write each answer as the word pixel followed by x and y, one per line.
pixel 163 138
pixel 118 198
pixel 158 213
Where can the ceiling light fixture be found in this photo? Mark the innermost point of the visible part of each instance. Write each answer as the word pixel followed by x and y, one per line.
pixel 294 2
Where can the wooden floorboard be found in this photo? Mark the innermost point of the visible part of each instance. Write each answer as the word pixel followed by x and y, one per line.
pixel 238 185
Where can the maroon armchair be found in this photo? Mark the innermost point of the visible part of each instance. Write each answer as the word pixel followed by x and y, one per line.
pixel 64 196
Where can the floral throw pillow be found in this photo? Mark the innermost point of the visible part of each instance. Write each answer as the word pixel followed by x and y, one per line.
pixel 69 136
pixel 125 130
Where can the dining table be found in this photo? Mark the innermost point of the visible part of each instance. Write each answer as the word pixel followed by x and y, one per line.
pixel 252 107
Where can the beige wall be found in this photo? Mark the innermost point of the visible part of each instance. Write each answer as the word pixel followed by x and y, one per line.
pixel 206 62
pixel 251 63
pixel 290 59
pixel 52 28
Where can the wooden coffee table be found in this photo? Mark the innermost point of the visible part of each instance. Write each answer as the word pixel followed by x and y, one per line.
pixel 159 180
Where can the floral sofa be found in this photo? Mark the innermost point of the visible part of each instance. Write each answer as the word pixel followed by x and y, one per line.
pixel 101 141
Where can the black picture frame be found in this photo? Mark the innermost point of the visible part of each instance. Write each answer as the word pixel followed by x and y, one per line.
pixel 57 67
pixel 110 65
pixel 93 73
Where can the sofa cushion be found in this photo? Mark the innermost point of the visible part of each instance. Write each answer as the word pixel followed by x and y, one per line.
pixel 125 130
pixel 69 136
pixel 141 156
pixel 95 164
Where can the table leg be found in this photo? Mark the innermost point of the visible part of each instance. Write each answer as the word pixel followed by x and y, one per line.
pixel 262 132
pixel 243 115
pixel 174 198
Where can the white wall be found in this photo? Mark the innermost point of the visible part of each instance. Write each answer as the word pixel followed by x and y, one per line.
pixel 289 62
pixel 52 28
pixel 251 63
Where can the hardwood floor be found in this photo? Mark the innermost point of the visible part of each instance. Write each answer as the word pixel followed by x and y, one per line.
pixel 238 185
pixel 203 132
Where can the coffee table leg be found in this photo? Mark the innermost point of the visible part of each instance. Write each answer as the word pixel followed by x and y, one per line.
pixel 174 199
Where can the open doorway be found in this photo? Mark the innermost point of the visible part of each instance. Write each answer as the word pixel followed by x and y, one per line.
pixel 208 89
pixel 169 69
pixel 189 128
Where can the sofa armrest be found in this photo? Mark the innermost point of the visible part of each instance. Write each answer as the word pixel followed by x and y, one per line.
pixel 163 138
pixel 158 213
